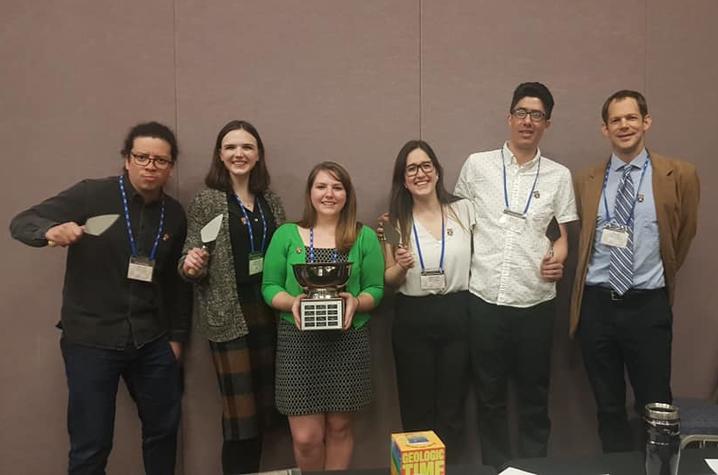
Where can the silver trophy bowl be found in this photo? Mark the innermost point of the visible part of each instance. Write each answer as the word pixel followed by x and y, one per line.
pixel 322 279
pixel 322 308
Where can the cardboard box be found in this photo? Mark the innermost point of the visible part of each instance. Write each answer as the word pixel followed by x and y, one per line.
pixel 417 453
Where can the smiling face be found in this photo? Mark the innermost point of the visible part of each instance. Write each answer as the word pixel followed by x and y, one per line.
pixel 239 152
pixel 626 128
pixel 420 175
pixel 328 195
pixel 526 133
pixel 148 180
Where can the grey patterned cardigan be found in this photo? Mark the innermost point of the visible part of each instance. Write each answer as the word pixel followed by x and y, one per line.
pixel 218 315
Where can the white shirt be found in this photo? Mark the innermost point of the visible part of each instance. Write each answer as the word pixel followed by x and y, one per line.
pixel 457 254
pixel 506 265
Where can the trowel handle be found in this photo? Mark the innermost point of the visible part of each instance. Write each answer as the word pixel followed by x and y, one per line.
pixel 193 272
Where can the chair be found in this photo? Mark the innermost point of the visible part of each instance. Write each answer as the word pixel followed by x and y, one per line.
pixel 699 421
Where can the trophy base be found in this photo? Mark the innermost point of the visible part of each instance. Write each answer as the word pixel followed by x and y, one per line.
pixel 322 314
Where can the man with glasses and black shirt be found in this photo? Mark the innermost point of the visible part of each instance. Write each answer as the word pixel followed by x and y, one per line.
pixel 517 193
pixel 125 311
pixel 638 218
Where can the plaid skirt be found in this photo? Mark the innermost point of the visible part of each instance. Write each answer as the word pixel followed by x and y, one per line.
pixel 322 371
pixel 245 370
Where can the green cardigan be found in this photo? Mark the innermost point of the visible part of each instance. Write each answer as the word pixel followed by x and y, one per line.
pixel 287 248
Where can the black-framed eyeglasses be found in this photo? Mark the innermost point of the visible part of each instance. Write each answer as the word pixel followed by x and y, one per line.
pixel 521 113
pixel 144 159
pixel 413 169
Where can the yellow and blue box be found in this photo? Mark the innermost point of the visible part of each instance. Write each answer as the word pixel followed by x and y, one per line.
pixel 417 453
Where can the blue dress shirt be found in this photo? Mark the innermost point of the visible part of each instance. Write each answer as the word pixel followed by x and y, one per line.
pixel 647 263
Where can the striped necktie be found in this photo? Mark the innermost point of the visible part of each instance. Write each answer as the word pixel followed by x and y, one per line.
pixel 620 276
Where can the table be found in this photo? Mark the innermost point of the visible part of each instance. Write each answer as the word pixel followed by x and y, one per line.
pixel 622 463
pixel 450 470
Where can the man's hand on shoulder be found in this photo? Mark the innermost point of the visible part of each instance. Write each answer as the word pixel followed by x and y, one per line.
pixel 383 218
pixel 64 234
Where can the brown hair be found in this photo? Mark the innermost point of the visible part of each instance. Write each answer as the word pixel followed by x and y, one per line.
pixel 218 176
pixel 347 227
pixel 625 94
pixel 401 203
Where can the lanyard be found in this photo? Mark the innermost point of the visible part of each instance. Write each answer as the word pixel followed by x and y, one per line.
pixel 443 245
pixel 533 188
pixel 633 204
pixel 312 260
pixel 126 208
pixel 250 230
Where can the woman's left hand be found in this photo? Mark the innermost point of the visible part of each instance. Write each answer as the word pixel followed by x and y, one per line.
pixel 296 310
pixel 351 304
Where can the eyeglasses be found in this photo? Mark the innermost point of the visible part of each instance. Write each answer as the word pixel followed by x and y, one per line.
pixel 536 116
pixel 144 159
pixel 413 169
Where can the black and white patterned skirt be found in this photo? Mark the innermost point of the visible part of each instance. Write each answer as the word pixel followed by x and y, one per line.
pixel 322 371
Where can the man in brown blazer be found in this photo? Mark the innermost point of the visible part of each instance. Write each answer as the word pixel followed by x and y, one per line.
pixel 638 215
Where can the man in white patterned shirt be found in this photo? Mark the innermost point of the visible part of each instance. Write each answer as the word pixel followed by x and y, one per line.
pixel 517 192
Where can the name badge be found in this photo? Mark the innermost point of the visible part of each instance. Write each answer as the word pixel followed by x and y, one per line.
pixel 513 221
pixel 433 280
pixel 256 263
pixel 140 268
pixel 615 236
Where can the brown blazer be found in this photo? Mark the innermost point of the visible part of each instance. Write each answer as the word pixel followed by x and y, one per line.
pixel 676 191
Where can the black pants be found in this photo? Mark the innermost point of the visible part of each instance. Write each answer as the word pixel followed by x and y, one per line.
pixel 432 365
pixel 152 376
pixel 632 334
pixel 511 343
pixel 241 456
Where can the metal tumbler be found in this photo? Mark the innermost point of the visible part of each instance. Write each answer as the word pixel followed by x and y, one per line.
pixel 662 438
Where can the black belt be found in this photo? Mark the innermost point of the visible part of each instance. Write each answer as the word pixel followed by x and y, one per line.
pixel 631 294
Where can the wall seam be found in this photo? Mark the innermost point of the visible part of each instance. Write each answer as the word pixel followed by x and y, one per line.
pixel 645 48
pixel 176 99
pixel 421 71
pixel 181 431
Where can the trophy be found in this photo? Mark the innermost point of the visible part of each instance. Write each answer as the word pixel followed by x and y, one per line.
pixel 323 308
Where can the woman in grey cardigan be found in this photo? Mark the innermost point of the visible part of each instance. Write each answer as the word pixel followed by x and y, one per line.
pixel 231 314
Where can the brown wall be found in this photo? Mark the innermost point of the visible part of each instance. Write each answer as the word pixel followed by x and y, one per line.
pixel 322 79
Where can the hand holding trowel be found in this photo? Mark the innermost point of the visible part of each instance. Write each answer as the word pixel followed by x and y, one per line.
pixel 551 269
pixel 402 255
pixel 552 233
pixel 196 258
pixel 68 233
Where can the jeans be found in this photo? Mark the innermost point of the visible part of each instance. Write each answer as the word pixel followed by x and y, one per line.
pixel 152 376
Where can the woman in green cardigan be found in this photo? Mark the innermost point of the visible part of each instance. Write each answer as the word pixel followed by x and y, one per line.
pixel 323 377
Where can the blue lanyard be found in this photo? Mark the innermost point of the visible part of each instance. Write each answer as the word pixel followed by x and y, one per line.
pixel 335 255
pixel 126 208
pixel 533 188
pixel 250 230
pixel 443 245
pixel 633 205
